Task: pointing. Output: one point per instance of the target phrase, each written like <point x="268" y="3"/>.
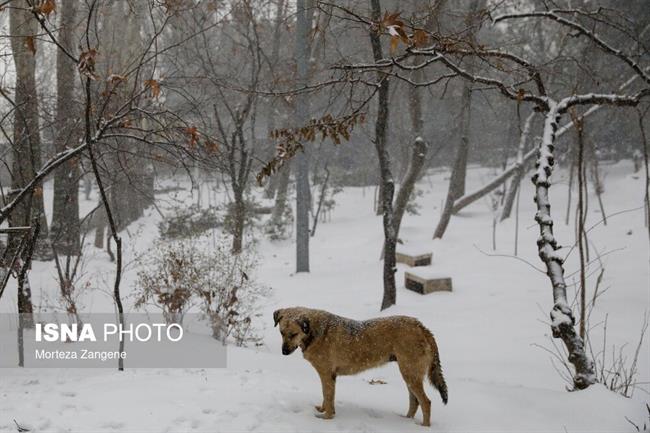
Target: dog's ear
<point x="304" y="325"/>
<point x="277" y="315"/>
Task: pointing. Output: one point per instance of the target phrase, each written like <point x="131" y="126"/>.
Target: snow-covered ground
<point x="489" y="329"/>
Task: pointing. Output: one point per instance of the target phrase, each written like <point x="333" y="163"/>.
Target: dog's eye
<point x="292" y="336"/>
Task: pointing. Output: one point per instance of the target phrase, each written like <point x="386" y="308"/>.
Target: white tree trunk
<point x="562" y="320"/>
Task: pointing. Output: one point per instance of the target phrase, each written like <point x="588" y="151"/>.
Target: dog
<point x="338" y="346"/>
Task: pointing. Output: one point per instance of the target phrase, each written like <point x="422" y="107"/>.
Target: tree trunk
<point x="460" y="165"/>
<point x="277" y="215"/>
<point x="459" y="171"/>
<point x="418" y="156"/>
<point x="572" y="164"/>
<point x="26" y="138"/>
<point x="562" y="319"/>
<point x="379" y="204"/>
<point x="275" y="183"/>
<point x="387" y="182"/>
<point x="580" y="222"/>
<point x="282" y="191"/>
<point x="24" y="292"/>
<point x="599" y="187"/>
<point x="321" y="200"/>
<point x="272" y="186"/>
<point x="646" y="160"/>
<point x="303" y="26"/>
<point x="519" y="171"/>
<point x="120" y="42"/>
<point x="239" y="218"/>
<point x="65" y="231"/>
<point x="99" y="230"/>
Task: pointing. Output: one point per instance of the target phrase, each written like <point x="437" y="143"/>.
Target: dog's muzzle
<point x="286" y="350"/>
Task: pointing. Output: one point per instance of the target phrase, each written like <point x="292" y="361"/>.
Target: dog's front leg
<point x="328" y="381"/>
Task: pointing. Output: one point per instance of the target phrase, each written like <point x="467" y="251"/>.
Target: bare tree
<point x="520" y="169"/>
<point x="26" y="143"/>
<point x="386" y="176"/>
<point x="303" y="196"/>
<point x="65" y="230"/>
<point x="459" y="170"/>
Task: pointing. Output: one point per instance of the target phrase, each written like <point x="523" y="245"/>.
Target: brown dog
<point x="337" y="346"/>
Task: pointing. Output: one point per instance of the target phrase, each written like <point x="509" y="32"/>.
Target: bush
<point x="251" y="217"/>
<point x="188" y="222"/>
<point x="183" y="273"/>
<point x="280" y="228"/>
<point x="170" y="279"/>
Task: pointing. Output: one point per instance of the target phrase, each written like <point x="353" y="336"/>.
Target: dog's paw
<point x="425" y="424"/>
<point x="319" y="409"/>
<point x="325" y="415"/>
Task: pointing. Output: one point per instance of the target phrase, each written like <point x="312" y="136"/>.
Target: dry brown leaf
<point x="394" y="41"/>
<point x="154" y="86"/>
<point x="420" y="38"/>
<point x="86" y="64"/>
<point x="211" y="146"/>
<point x="30" y="44"/>
<point x="212" y="6"/>
<point x="46" y="7"/>
<point x="115" y="78"/>
<point x="194" y="135"/>
<point x="520" y="95"/>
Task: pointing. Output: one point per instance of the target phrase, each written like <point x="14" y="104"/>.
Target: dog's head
<point x="294" y="327"/>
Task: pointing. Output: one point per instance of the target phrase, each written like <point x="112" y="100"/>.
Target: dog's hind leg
<point x="413" y="405"/>
<point x="414" y="382"/>
<point x="418" y="389"/>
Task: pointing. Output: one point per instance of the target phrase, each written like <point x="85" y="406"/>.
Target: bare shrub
<point x="169" y="278"/>
<point x="230" y="294"/>
<point x="618" y="371"/>
<point x="189" y="272"/>
<point x="646" y="424"/>
<point x="615" y="367"/>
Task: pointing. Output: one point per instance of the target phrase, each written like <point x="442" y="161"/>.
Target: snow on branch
<point x="553" y="14"/>
<point x="487" y="53"/>
<point x="53" y="163"/>
<point x="604" y="99"/>
<point x="562" y="319"/>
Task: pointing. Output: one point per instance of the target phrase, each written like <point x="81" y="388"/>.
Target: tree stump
<point x="425" y="280"/>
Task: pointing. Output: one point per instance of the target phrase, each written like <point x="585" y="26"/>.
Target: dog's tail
<point x="435" y="370"/>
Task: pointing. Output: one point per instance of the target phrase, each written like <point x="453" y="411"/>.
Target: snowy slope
<point x="487" y="329"/>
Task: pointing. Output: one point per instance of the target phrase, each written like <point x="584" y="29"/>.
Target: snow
<point x="415" y="248"/>
<point x="487" y="330"/>
<point x="427" y="272"/>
